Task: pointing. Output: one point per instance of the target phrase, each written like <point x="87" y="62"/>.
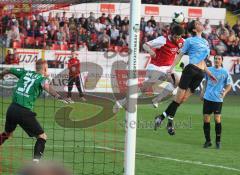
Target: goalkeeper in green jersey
<point x="29" y="86"/>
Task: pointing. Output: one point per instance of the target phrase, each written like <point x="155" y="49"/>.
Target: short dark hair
<point x="218" y="56"/>
<point x="177" y="30"/>
<point x="191" y="27"/>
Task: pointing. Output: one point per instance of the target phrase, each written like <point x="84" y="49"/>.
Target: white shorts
<point x="155" y="73"/>
<point x="162" y="69"/>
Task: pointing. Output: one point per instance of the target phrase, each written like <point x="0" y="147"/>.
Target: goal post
<point x="131" y="112"/>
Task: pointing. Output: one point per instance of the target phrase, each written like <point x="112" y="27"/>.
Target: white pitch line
<point x="144" y="155"/>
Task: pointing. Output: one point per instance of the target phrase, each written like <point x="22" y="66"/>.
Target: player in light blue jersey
<point x="213" y="95"/>
<point x="198" y="49"/>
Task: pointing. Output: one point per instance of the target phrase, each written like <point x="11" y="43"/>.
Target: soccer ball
<point x="178" y="17"/>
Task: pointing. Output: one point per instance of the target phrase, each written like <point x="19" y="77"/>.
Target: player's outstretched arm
<point x="48" y="88"/>
<point x="4" y="72"/>
<point x="148" y="49"/>
<point x="176" y="61"/>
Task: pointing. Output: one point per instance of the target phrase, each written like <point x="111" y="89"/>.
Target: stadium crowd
<point x="59" y="32"/>
<point x="231" y="4"/>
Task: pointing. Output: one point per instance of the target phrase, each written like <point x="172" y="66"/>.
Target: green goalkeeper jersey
<point x="28" y="88"/>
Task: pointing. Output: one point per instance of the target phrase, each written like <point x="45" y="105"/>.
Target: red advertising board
<point x="193" y="12"/>
<point x="151" y="10"/>
<point x="107" y="8"/>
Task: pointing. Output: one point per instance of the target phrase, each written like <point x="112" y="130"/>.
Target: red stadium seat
<point x="17" y="44"/>
<point x="22" y="38"/>
<point x="55" y="47"/>
<point x="64" y="47"/>
<point x="30" y="40"/>
<point x="118" y="48"/>
<point x="39" y="39"/>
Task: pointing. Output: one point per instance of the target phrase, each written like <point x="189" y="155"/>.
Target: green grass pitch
<point x="99" y="149"/>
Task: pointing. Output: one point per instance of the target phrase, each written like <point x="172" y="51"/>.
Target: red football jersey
<point x="166" y="50"/>
<point x="74" y="67"/>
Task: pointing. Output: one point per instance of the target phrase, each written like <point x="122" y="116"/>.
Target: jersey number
<point x="28" y="82"/>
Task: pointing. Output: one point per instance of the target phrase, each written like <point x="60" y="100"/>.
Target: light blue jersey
<point x="214" y="90"/>
<point x="197" y="49"/>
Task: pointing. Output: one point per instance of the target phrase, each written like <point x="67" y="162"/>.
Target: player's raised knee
<point x="43" y="136"/>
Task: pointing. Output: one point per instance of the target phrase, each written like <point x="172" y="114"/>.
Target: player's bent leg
<point x="166" y="92"/>
<point x="180" y="95"/>
<point x="39" y="147"/>
<point x="206" y="129"/>
<point x="218" y="130"/>
<point x="187" y="94"/>
<point x="172" y="109"/>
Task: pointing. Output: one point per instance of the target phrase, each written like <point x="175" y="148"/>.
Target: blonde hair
<point x="39" y="64"/>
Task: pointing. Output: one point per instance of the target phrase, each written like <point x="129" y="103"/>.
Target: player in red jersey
<point x="74" y="76"/>
<point x="163" y="51"/>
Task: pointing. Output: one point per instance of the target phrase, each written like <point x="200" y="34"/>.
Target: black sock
<point x="218" y="130"/>
<point x="163" y="115"/>
<point x="206" y="128"/>
<point x="39" y="148"/>
<point x="172" y="109"/>
<point x="170" y="122"/>
<point x="3" y="137"/>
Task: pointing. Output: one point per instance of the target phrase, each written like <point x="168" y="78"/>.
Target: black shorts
<point x="191" y="78"/>
<point x="18" y="115"/>
<point x="210" y="107"/>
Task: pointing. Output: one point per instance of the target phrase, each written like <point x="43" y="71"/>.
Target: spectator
<point x="80" y="31"/>
<point x="122" y="40"/>
<point x="103" y="19"/>
<point x="99" y="26"/>
<point x="213" y="38"/>
<point x="236" y="67"/>
<point x="8" y="57"/>
<point x="222" y="30"/>
<point x="142" y="24"/>
<point x="15" y="58"/>
<point x="82" y="37"/>
<point x="153" y="22"/>
<point x="51" y="37"/>
<point x="114" y="34"/>
<point x="83" y="22"/>
<point x="117" y="20"/>
<point x="104" y="41"/>
<point x="92" y="17"/>
<point x="42" y="29"/>
<point x="109" y="19"/>
<point x="149" y="29"/>
<point x="91" y="43"/>
<point x="63" y="20"/>
<point x="207" y="27"/>
<point x="12" y="35"/>
<point x="236" y="26"/>
<point x="91" y="27"/>
<point x="125" y="22"/>
<point x="61" y="36"/>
